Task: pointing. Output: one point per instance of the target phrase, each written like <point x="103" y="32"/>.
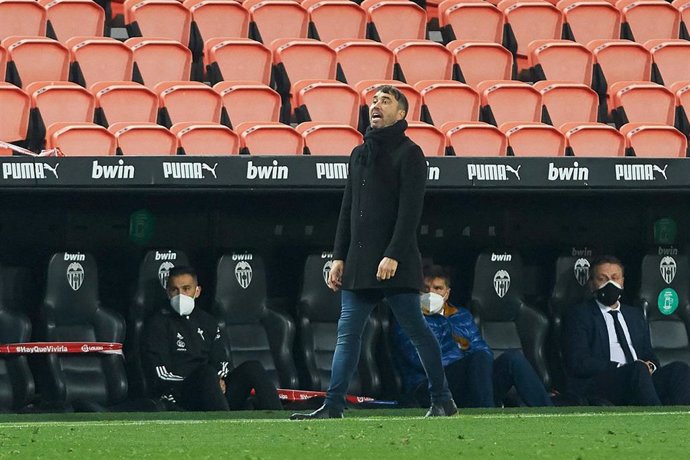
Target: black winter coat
<point x="381" y="209"/>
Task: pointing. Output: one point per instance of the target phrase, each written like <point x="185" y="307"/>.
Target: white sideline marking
<point x="105" y="423"/>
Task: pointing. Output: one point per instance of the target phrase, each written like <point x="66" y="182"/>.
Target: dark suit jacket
<point x="379" y="216"/>
<point x="586" y="343"/>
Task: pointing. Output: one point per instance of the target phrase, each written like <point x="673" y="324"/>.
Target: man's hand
<point x="651" y="367"/>
<point x="335" y="276"/>
<point x="387" y="268"/>
<point x="221" y="382"/>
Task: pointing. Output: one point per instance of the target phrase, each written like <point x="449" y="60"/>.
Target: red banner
<point x="30" y="348"/>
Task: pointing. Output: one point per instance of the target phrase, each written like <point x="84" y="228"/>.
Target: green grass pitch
<point x="559" y="433"/>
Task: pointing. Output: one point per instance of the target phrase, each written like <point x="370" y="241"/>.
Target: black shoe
<point x="442" y="409"/>
<point x="322" y="412"/>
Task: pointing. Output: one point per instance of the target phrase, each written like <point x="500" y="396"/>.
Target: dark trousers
<point x="512" y="369"/>
<point x="632" y="385"/>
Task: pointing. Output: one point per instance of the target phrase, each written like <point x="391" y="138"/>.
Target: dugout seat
<point x="187" y="101"/>
<point x="22" y="18"/>
<point x="475" y="139"/>
<point x="71" y="311"/>
<point x="665" y="297"/>
<point x="72" y="18"/>
<point x="479" y="61"/>
<point x="253" y="331"/>
<point x="14" y="116"/>
<point x="417" y="60"/>
<point x="649" y="19"/>
<point x="470" y="20"/>
<point x="565" y="102"/>
<point x="237" y="59"/>
<point x="33" y="59"/>
<point x="326" y="101"/>
<point x="670" y="61"/>
<point x="149" y="298"/>
<point x="96" y="59"/>
<point x="157" y="60"/>
<point x="446" y="101"/>
<point x="269" y="138"/>
<point x="651" y="140"/>
<point x="590" y="20"/>
<point x="158" y="19"/>
<point x="533" y="139"/>
<point x="429" y="138"/>
<point x="124" y="101"/>
<point x="335" y="19"/>
<point x="362" y="60"/>
<point x="195" y="138"/>
<point x="560" y="60"/>
<point x="81" y="139"/>
<point x="509" y="101"/>
<point x="642" y="102"/>
<point x="503" y="317"/>
<point x="318" y="311"/>
<point x="329" y="138"/>
<point x="389" y="20"/>
<point x="593" y="140"/>
<point x="271" y="20"/>
<point x="143" y="139"/>
<point x="247" y="101"/>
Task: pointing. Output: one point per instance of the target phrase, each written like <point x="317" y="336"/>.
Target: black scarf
<point x="380" y="139"/>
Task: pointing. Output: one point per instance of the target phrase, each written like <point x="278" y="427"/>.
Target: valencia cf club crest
<point x="581" y="270"/>
<point x="501" y="283"/>
<point x="243" y="273"/>
<point x="75" y="275"/>
<point x="327" y="270"/>
<point x="668" y="269"/>
<point x="164" y="273"/>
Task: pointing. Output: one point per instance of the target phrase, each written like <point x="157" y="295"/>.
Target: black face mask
<point x="608" y="294"/>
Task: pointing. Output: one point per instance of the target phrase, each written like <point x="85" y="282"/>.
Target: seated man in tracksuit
<point x="474" y="377"/>
<point x="186" y="360"/>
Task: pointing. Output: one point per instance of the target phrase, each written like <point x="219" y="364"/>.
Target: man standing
<point x="376" y="254"/>
<point x="608" y="351"/>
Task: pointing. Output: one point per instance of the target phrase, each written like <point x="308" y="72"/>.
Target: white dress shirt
<point x="617" y="354"/>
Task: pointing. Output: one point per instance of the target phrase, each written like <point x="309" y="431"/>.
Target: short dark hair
<point x="397" y="95"/>
<point x="605" y="259"/>
<point x="183" y="270"/>
<point x="437" y="271"/>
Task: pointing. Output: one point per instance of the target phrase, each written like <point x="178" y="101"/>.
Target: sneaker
<point x="442" y="409"/>
<point x="322" y="412"/>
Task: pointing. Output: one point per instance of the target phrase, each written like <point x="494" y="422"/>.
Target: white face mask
<point x="182" y="304"/>
<point x="432" y="303"/>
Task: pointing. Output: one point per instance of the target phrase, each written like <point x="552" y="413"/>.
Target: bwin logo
<point x="75" y="275"/>
<point x="581" y="271"/>
<point x="331" y="171"/>
<point x="187" y="170"/>
<point x="326" y="271"/>
<point x="23" y="171"/>
<point x="668" y="251"/>
<point x="668" y="268"/>
<point x="243" y="273"/>
<point x="74" y="257"/>
<point x="501" y="283"/>
<point x="118" y="171"/>
<point x="166" y="255"/>
<point x="266" y="172"/>
<point x="491" y="172"/>
<point x="501" y="257"/>
<point x="574" y="173"/>
<point x="164" y="273"/>
<point x="433" y="172"/>
<point x="326" y="255"/>
<point x="639" y="172"/>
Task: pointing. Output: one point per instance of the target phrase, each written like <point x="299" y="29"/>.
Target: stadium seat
<point x="143" y="139"/>
<point x="14" y="116"/>
<point x="670" y="60"/>
<point x="593" y="140"/>
<point x="17" y="387"/>
<point x="479" y="61"/>
<point x="470" y="20"/>
<point x="431" y="140"/>
<point x="528" y="21"/>
<point x="590" y="20"/>
<point x="534" y="139"/>
<point x="362" y="60"/>
<point x="158" y="19"/>
<point x="217" y="19"/>
<point x="642" y="102"/>
<point x="682" y="6"/>
<point x="649" y="19"/>
<point x="504" y="319"/>
<point x="681" y="90"/>
<point x="654" y="140"/>
<point x="329" y="138"/>
<point x="81" y="139"/>
<point x="72" y="18"/>
<point x="149" y="297"/>
<point x="269" y="138"/>
<point x="33" y="59"/>
<point x="417" y="60"/>
<point x="445" y="101"/>
<point x="196" y="138"/>
<point x="3" y="63"/>
<point x="339" y="19"/>
<point x="247" y="101"/>
<point x="237" y="60"/>
<point x="124" y="101"/>
<point x="326" y="101"/>
<point x="560" y="60"/>
<point x="668" y="315"/>
<point x="158" y="60"/>
<point x="318" y="310"/>
<point x="187" y="101"/>
<point x="297" y="60"/>
<point x="275" y="19"/>
<point x="509" y="101"/>
<point x="24" y="18"/>
<point x="565" y="102"/>
<point x="475" y="139"/>
<point x="394" y="19"/>
<point x="253" y="331"/>
<point x="71" y="311"/>
<point x="96" y="59"/>
<point x="368" y="88"/>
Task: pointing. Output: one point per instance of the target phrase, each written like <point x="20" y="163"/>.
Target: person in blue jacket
<point x="474" y="377"/>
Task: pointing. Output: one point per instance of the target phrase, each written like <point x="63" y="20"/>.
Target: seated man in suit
<point x="186" y="359"/>
<point x="608" y="352"/>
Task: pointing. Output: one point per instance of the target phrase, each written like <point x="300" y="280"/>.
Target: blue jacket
<point x="457" y="335"/>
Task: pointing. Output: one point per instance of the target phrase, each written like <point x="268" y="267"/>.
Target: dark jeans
<point x="356" y="308"/>
<point x="512" y="369"/>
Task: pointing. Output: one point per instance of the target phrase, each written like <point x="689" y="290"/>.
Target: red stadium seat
<point x="81" y="139"/>
<point x="560" y="60"/>
<point x="158" y="60"/>
<point x="479" y="61"/>
<point x="429" y="138"/>
<point x="683" y="6"/>
<point x="14" y="116"/>
<point x="96" y="59"/>
<point x="36" y="59"/>
<point x="534" y="139"/>
<point x="642" y="102"/>
<point x="218" y="19"/>
<point x="22" y="18"/>
<point x="72" y="18"/>
<point x="506" y="101"/>
<point x="329" y="138"/>
<point x="363" y="60"/>
<point x="395" y="19"/>
<point x="206" y="138"/>
<point x="277" y="19"/>
<point x="654" y="140"/>
<point x="589" y="20"/>
<point x="339" y="19"/>
<point x="418" y="60"/>
<point x="446" y="101"/>
<point x="237" y="60"/>
<point x="326" y="101"/>
<point x="671" y="60"/>
<point x="681" y="91"/>
<point x="649" y="19"/>
<point x="471" y="20"/>
<point x="593" y="140"/>
<point x="124" y="101"/>
<point x="158" y="19"/>
<point x="144" y="139"/>
<point x="368" y="88"/>
<point x="248" y="101"/>
<point x="269" y="139"/>
<point x="566" y="102"/>
<point x="188" y="101"/>
<point x="3" y="63"/>
<point x="475" y="139"/>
